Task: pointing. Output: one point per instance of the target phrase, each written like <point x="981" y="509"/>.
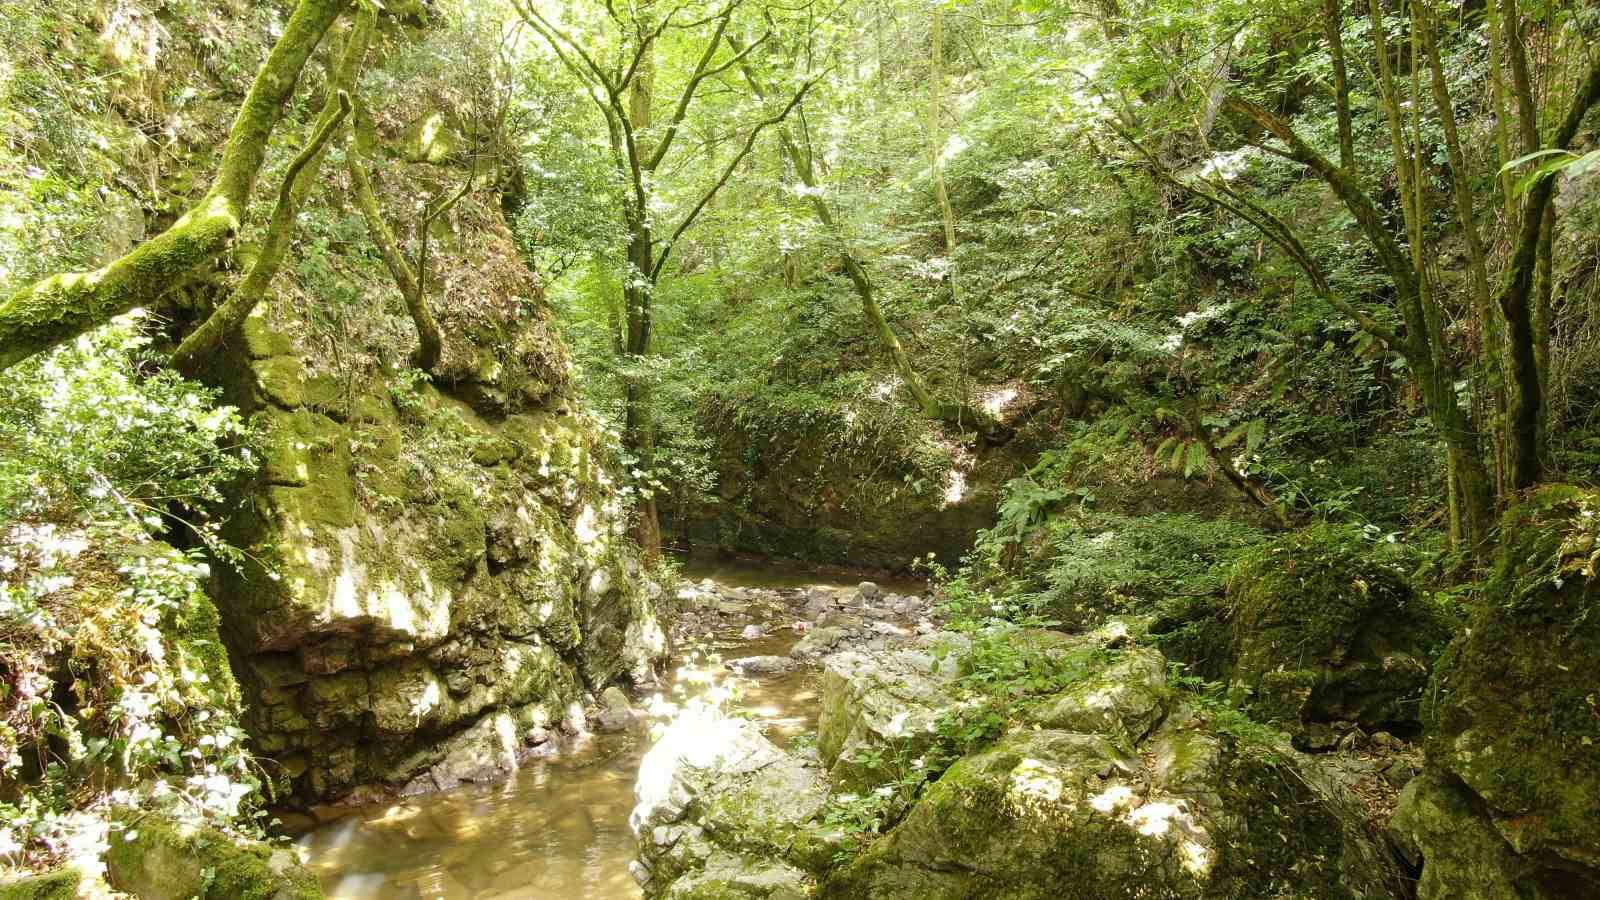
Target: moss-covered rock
<point x="424" y="555"/>
<point x="154" y="859"/>
<point x="1513" y="718"/>
<point x="62" y="885"/>
<point x="1101" y="791"/>
<point x="1072" y="816"/>
<point x="1327" y="628"/>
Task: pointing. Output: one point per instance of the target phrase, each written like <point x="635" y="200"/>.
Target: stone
<point x="761" y="665"/>
<point x="869" y="591"/>
<point x="1326" y="628"/>
<point x="880" y="705"/>
<point x="154" y="859"/>
<point x="613" y="698"/>
<point x="1509" y="803"/>
<point x="1124" y="700"/>
<point x="817" y="643"/>
<point x="752" y="632"/>
<point x="719" y="804"/>
<point x="1058" y="815"/>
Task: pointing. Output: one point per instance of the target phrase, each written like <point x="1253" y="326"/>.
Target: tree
<point x="624" y="90"/>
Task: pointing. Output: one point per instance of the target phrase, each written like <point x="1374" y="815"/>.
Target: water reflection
<point x="557" y="829"/>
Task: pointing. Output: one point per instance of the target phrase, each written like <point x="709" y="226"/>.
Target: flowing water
<point x="558" y="828"/>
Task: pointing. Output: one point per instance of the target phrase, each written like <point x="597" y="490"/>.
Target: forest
<point x="708" y="449"/>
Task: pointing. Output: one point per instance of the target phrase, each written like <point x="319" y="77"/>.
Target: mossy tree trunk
<point x="59" y="308"/>
<point x="207" y="340"/>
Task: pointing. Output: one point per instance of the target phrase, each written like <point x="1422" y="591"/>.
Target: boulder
<point x="1061" y="815"/>
<point x="721" y="808"/>
<point x="877" y="705"/>
<point x="817" y="643"/>
<point x="1509" y="805"/>
<point x="154" y="859"/>
<point x="1124" y="700"/>
<point x="761" y="665"/>
<point x="1326" y="628"/>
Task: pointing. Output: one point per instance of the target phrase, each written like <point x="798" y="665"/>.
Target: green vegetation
<point x="393" y="343"/>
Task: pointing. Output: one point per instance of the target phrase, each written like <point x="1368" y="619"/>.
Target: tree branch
<point x="61" y="307"/>
<point x="749" y="143"/>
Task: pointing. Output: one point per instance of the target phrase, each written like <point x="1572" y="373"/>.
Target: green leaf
<point x="1527" y="157"/>
<point x="1257" y="434"/>
<point x="1197" y="459"/>
<point x="1232" y="437"/>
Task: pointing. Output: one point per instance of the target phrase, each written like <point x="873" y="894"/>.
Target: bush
<point x="117" y="690"/>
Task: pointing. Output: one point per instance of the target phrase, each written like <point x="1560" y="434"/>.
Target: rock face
<point x="1327" y="630"/>
<point x="436" y="568"/>
<point x="1106" y="790"/>
<point x="1509" y="806"/>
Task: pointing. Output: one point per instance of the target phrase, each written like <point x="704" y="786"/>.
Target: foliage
<point x="118" y="692"/>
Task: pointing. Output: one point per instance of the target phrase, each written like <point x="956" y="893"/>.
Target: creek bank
<point x="1113" y="787"/>
<point x="560" y="820"/>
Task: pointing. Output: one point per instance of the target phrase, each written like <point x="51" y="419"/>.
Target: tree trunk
<point x="207" y="340"/>
<point x="61" y="307"/>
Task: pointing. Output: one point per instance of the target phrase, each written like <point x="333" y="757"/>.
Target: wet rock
<point x="761" y="665"/>
<point x="752" y="632"/>
<point x="616" y="713"/>
<point x="154" y="859"/>
<point x="817" y="643"/>
<point x="868" y="591"/>
<point x="722" y="808"/>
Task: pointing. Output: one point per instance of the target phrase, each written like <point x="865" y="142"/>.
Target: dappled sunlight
<point x="1113" y="798"/>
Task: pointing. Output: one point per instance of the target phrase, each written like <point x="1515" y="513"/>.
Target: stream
<point x="558" y="828"/>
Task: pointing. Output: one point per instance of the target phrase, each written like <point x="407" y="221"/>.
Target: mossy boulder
<point x="1513" y="717"/>
<point x="1327" y="628"/>
<point x="722" y="812"/>
<point x="61" y="885"/>
<point x="1074" y="816"/>
<point x="154" y="859"/>
<point x="1105" y="790"/>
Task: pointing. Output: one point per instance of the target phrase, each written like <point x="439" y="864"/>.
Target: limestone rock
<point x="1058" y="815"/>
<point x="873" y="702"/>
<point x="761" y="665"/>
<point x="720" y="804"/>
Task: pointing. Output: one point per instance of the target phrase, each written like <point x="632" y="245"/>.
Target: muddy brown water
<point x="558" y="828"/>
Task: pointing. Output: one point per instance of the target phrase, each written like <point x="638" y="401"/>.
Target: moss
<point x="1512" y="709"/>
<point x="1327" y="627"/>
<point x="196" y="634"/>
<point x="156" y="860"/>
<point x="61" y="885"/>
